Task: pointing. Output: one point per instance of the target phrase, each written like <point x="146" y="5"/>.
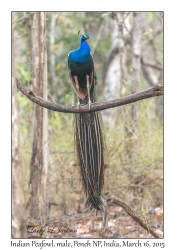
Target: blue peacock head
<point x="85" y="36"/>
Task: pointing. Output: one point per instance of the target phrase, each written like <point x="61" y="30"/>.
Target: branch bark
<point x="157" y="90"/>
<point x="136" y="217"/>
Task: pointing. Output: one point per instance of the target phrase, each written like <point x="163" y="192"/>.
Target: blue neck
<point x="84" y="45"/>
<point x="82" y="54"/>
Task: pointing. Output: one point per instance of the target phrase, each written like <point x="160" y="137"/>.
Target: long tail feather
<point x="89" y="145"/>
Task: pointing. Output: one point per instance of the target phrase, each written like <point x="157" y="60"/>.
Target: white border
<point x="5" y="96"/>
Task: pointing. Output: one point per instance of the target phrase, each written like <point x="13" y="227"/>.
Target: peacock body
<point x="88" y="135"/>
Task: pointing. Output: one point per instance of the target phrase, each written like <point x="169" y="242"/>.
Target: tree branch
<point x="151" y="64"/>
<point x="136" y="217"/>
<point x="23" y="17"/>
<point x="157" y="90"/>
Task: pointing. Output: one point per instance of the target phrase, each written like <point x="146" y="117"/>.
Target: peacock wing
<point x="81" y="92"/>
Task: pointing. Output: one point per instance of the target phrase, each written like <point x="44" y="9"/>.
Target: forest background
<point x="133" y="133"/>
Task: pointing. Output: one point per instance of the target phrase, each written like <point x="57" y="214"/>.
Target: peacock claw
<point x="78" y="106"/>
<point x="74" y="106"/>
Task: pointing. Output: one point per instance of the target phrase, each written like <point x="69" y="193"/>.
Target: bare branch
<point x="23" y="17"/>
<point x="136" y="217"/>
<point x="157" y="90"/>
<point x="151" y="64"/>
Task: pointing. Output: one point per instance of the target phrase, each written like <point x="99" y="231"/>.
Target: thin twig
<point x="21" y="36"/>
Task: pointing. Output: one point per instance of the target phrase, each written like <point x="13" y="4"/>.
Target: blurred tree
<point x="136" y="53"/>
<point x="114" y="68"/>
<point x="18" y="200"/>
<point x="151" y="54"/>
<point x="52" y="56"/>
<point x="39" y="165"/>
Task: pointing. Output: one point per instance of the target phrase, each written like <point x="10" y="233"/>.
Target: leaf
<point x="158" y="231"/>
<point x="132" y="235"/>
<point x="85" y="228"/>
<point x="159" y="210"/>
<point x="84" y="222"/>
<point x="158" y="217"/>
<point x="55" y="231"/>
<point x="82" y="230"/>
<point x="69" y="171"/>
<point x="122" y="230"/>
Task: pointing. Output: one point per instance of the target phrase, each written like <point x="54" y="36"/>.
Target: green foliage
<point x="126" y="176"/>
<point x="103" y="46"/>
<point x="24" y="73"/>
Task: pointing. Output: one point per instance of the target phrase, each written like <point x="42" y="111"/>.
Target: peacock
<point x="88" y="133"/>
